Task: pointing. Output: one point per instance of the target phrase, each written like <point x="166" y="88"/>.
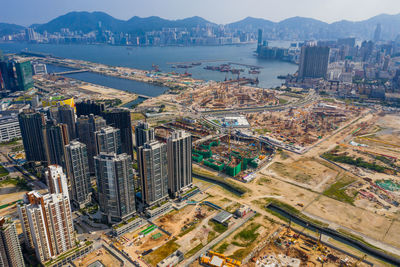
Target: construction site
<point x="371" y="153"/>
<point x="198" y="129"/>
<point x="290" y="248"/>
<point x="302" y="126"/>
<point x="215" y="96"/>
<point x="232" y="154"/>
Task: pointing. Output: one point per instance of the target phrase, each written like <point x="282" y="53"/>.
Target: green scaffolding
<point x="197" y="157"/>
<point x="216" y="165"/>
<point x="233" y="171"/>
<point x="388" y="185"/>
<point x="205" y="153"/>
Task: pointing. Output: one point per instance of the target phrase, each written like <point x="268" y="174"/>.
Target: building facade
<point x="23" y="71"/>
<point x="121" y="118"/>
<point x="47" y="224"/>
<point x="55" y="138"/>
<point x="10" y="249"/>
<point x="179" y="147"/>
<point x="78" y="173"/>
<point x="143" y="134"/>
<point x="66" y="116"/>
<point x="9" y="129"/>
<point x="86" y="128"/>
<point x="152" y="161"/>
<point x="56" y="180"/>
<point x="108" y="140"/>
<point x="85" y="108"/>
<point x="31" y="124"/>
<point x="115" y="186"/>
<point x="313" y="62"/>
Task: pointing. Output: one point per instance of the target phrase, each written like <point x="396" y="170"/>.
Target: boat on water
<point x="186" y="74"/>
<point x="254" y="72"/>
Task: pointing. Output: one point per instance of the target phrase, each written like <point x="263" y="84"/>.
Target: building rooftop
<point x="96" y="264"/>
<point x="216" y="261"/>
<point x="222" y="217"/>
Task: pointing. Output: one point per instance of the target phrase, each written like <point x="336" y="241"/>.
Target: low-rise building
<point x="9" y="128"/>
<point x="158" y="210"/>
<point x="128" y="226"/>
<point x="172" y="260"/>
<point x="242" y="211"/>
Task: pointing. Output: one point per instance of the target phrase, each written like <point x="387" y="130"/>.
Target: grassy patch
<point x="262" y="131"/>
<point x="232" y="208"/>
<point x="248" y="235"/>
<point x="329" y="100"/>
<point x="222" y="248"/>
<point x="288" y="208"/>
<point x="194" y="250"/>
<point x="3" y="171"/>
<point x="137" y="116"/>
<point x="282" y="101"/>
<point x="263" y="181"/>
<point x="162" y="252"/>
<point x="211" y="236"/>
<point x="359" y="162"/>
<point x="240" y="254"/>
<point x="10" y="143"/>
<point x="212" y="176"/>
<point x="217" y="227"/>
<point x="18" y="182"/>
<point x="337" y="191"/>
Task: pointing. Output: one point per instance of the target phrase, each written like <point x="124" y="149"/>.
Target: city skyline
<point x="320" y="10"/>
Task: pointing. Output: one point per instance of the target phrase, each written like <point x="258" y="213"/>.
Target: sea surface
<point x="145" y="57"/>
<point x="140" y="88"/>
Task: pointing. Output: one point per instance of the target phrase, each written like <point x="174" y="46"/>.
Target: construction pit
<point x="289" y="248"/>
<point x="371" y="153"/>
<point x="227" y="95"/>
<point x="190" y="228"/>
<point x="235" y="156"/>
<point x="303" y="126"/>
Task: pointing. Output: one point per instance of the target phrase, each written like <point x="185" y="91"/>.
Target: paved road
<point x="30" y="177"/>
<point x="119" y="254"/>
<point x="242" y="221"/>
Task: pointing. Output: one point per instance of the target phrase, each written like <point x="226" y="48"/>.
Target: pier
<point x="71" y="72"/>
<point x="245" y="65"/>
<point x="200" y="61"/>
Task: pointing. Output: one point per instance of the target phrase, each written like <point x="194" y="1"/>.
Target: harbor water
<point x="165" y="57"/>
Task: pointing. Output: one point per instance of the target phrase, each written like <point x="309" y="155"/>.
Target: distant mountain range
<point x="296" y="28"/>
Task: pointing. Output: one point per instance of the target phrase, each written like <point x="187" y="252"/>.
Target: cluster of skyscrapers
<point x="101" y="146"/>
<point x="165" y="169"/>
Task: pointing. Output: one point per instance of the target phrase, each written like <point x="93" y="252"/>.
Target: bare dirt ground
<point x="358" y="219"/>
<point x="108" y="93"/>
<point x="102" y="255"/>
<point x="308" y="172"/>
<point x="288" y="190"/>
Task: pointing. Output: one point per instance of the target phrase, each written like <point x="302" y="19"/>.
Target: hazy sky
<point x="26" y="12"/>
